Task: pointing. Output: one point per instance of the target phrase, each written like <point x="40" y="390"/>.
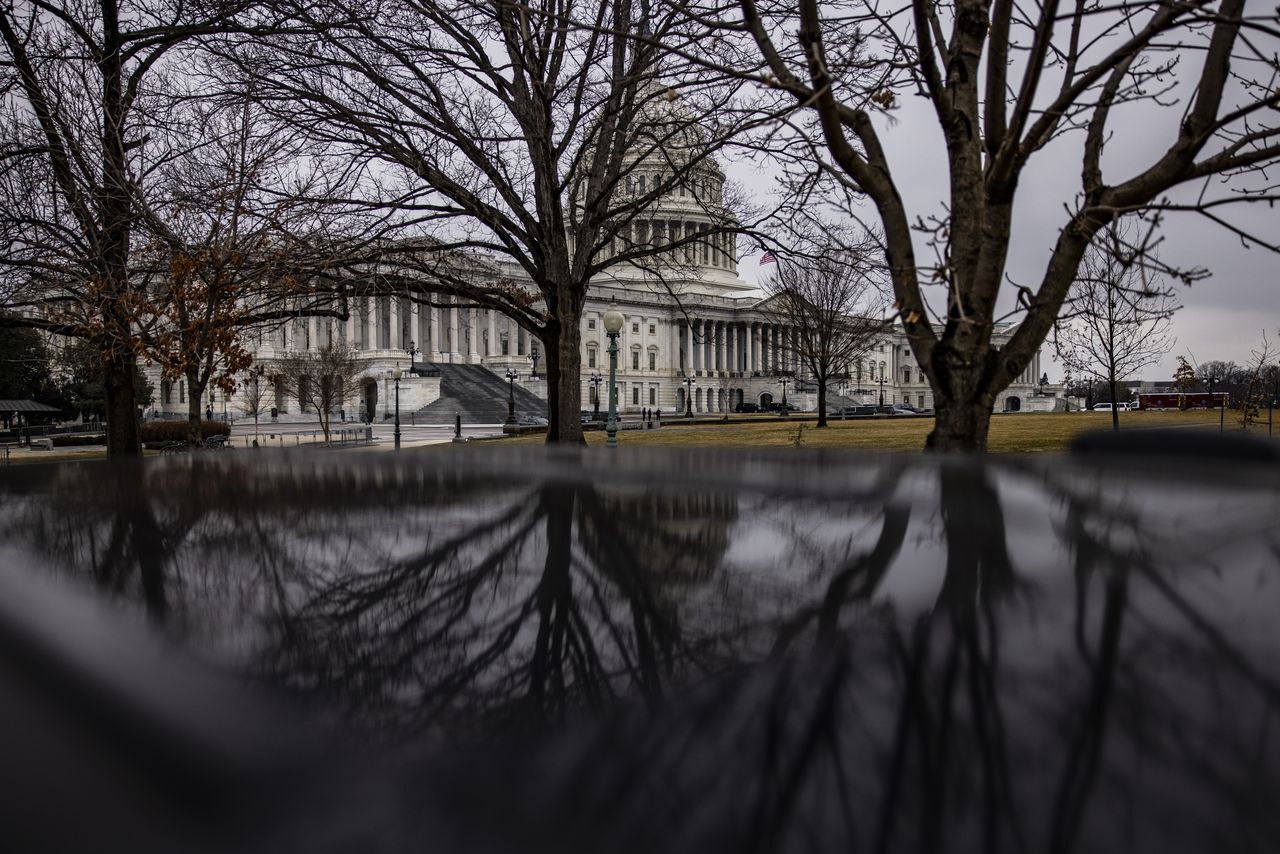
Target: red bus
<point x="1175" y="400"/>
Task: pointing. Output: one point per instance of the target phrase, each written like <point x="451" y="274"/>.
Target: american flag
<point x="767" y="258"/>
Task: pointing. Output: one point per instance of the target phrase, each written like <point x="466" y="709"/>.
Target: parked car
<point x="858" y="409"/>
<point x="783" y="407"/>
<point x="532" y="421"/>
<point x="902" y="409"/>
<point x="747" y="407"/>
<point x="1102" y="407"/>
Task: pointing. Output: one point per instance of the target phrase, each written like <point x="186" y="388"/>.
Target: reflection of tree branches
<point x="463" y="631"/>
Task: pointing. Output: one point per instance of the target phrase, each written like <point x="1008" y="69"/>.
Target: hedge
<point x="176" y="431"/>
<point x="76" y="441"/>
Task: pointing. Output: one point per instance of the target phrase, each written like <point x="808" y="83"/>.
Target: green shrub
<point x="176" y="431"/>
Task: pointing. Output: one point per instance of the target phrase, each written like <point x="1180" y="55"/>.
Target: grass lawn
<point x="1018" y="433"/>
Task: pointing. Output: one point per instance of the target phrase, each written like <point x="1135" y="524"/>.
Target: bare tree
<point x="81" y="130"/>
<point x="1117" y="319"/>
<point x="828" y="290"/>
<point x="322" y="380"/>
<point x="526" y="134"/>
<point x="256" y="395"/>
<point x="1002" y="83"/>
<point x="247" y="233"/>
<point x="1258" y="378"/>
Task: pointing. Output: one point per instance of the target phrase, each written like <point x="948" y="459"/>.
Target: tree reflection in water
<point x="1086" y="668"/>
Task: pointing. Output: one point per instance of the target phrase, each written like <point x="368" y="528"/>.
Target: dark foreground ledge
<point x="574" y="650"/>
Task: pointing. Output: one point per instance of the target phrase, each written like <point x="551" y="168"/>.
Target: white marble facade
<point x="703" y="332"/>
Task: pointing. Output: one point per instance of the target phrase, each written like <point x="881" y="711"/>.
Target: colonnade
<point x="448" y="333"/>
<point x="737" y="346"/>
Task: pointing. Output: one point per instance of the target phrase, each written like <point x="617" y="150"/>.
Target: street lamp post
<point x="595" y="381"/>
<point x="882" y="388"/>
<point x="511" y="396"/>
<point x="412" y="350"/>
<point x="395" y="376"/>
<point x="613" y="321"/>
<point x="785" y="382"/>
<point x="533" y="357"/>
<point x="689" y="383"/>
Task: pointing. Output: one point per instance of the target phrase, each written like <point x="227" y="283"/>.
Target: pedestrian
<point x="659" y="416"/>
<point x="208" y="413"/>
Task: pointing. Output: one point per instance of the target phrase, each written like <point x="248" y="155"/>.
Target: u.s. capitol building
<point x="700" y="331"/>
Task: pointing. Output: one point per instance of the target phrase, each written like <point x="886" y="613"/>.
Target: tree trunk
<point x="1115" y="413"/>
<point x="562" y="345"/>
<point x="960" y="425"/>
<point x="822" y="401"/>
<point x="124" y="437"/>
<point x="195" y="393"/>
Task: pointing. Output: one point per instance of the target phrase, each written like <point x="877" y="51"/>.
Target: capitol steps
<point x="478" y="394"/>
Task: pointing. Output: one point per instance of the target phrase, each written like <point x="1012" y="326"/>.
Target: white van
<point x="1102" y="407"/>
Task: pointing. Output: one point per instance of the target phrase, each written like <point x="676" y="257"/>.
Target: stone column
<point x="454" y="341"/>
<point x="695" y="360"/>
<point x="721" y="364"/>
<point x="370" y="323"/>
<point x="433" y="320"/>
<point x="349" y="328"/>
<point x="493" y="333"/>
<point x="415" y="326"/>
<point x="473" y="320"/>
<point x="394" y="330"/>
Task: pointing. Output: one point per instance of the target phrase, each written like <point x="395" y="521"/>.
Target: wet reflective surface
<point x="693" y="652"/>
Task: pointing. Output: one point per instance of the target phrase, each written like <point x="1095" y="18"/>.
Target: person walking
<point x="208" y="413"/>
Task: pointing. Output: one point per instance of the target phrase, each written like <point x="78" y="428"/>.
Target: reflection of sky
<point x="240" y="578"/>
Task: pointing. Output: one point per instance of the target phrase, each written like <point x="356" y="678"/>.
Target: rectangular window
<point x="653" y="362"/>
<point x="635" y="395"/>
<point x="920" y="401"/>
<point x="640" y="182"/>
<point x="635" y="360"/>
<point x="635" y="329"/>
<point x="182" y="391"/>
<point x="591" y="358"/>
<point x="653" y="329"/>
<point x="653" y="395"/>
<point x="591" y="323"/>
